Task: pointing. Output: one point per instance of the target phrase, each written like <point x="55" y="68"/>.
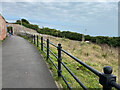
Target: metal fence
<point x="106" y="79"/>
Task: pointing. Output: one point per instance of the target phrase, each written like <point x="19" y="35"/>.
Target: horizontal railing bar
<point x="53" y="45"/>
<point x="114" y="84"/>
<point x="74" y="76"/>
<point x="53" y="63"/>
<point x="44" y="52"/>
<point x="65" y="81"/>
<point x="44" y="46"/>
<point x="85" y="65"/>
<point x="53" y="54"/>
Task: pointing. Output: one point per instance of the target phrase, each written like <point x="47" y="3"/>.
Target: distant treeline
<point x="27" y="24"/>
<point x="111" y="41"/>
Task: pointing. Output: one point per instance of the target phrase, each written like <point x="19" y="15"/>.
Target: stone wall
<point x="2" y="28"/>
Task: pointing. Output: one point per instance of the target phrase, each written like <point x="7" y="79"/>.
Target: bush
<point x="111" y="41"/>
<point x="27" y="24"/>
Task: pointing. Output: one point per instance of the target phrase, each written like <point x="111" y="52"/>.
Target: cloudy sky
<point x="91" y="18"/>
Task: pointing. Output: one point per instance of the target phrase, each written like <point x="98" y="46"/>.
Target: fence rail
<point x="106" y="79"/>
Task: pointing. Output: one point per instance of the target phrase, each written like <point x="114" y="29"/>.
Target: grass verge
<point x="91" y="54"/>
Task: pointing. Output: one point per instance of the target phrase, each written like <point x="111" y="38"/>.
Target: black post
<point x="42" y="43"/>
<point x="106" y="78"/>
<point x="47" y="49"/>
<point x="59" y="60"/>
<point x="34" y="39"/>
<point x="37" y="42"/>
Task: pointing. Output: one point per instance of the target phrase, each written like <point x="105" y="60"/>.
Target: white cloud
<point x="64" y="11"/>
<point x="62" y="14"/>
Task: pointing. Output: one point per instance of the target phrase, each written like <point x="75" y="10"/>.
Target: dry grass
<point x="94" y="55"/>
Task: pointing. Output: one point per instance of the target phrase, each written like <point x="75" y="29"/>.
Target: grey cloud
<point x="58" y="11"/>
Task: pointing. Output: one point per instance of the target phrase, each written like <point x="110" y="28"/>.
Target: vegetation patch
<point x="111" y="41"/>
<point x="90" y="54"/>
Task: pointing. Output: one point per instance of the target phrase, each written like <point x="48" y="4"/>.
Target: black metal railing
<point x="106" y="79"/>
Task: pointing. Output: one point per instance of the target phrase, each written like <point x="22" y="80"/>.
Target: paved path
<point x="23" y="66"/>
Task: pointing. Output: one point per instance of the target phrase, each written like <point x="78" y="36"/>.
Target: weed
<point x="87" y="54"/>
<point x="104" y="55"/>
<point x="98" y="56"/>
<point x="65" y="63"/>
<point x="94" y="47"/>
<point x="50" y="68"/>
<point x="74" y="48"/>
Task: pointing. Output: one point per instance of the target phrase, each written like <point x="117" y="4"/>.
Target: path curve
<point x="23" y="66"/>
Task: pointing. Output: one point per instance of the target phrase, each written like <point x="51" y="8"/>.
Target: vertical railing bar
<point x="42" y="43"/>
<point x="37" y="42"/>
<point x="59" y="60"/>
<point x="47" y="49"/>
<point x="34" y="39"/>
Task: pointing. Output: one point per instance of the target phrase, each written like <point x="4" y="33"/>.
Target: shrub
<point x="27" y="24"/>
<point x="104" y="55"/>
<point x="111" y="41"/>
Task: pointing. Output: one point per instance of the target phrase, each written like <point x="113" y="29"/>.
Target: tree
<point x="18" y="22"/>
<point x="25" y="21"/>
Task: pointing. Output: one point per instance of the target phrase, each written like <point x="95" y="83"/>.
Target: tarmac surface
<point x="23" y="66"/>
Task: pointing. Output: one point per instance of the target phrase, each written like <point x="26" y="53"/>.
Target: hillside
<point x="111" y="41"/>
<point x="21" y="29"/>
<point x="96" y="56"/>
<point x="92" y="54"/>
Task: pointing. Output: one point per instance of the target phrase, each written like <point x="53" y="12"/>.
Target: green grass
<point x="88" y="53"/>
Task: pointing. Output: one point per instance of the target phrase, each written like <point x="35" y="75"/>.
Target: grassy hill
<point x="111" y="41"/>
<point x="95" y="55"/>
<point x="92" y="54"/>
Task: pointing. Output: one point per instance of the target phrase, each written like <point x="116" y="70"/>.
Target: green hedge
<point x="27" y="24"/>
<point x="111" y="41"/>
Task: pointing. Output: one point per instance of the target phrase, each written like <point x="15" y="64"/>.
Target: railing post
<point x="59" y="60"/>
<point x="37" y="42"/>
<point x="42" y="43"/>
<point x="34" y="39"/>
<point x="47" y="49"/>
<point x="106" y="78"/>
